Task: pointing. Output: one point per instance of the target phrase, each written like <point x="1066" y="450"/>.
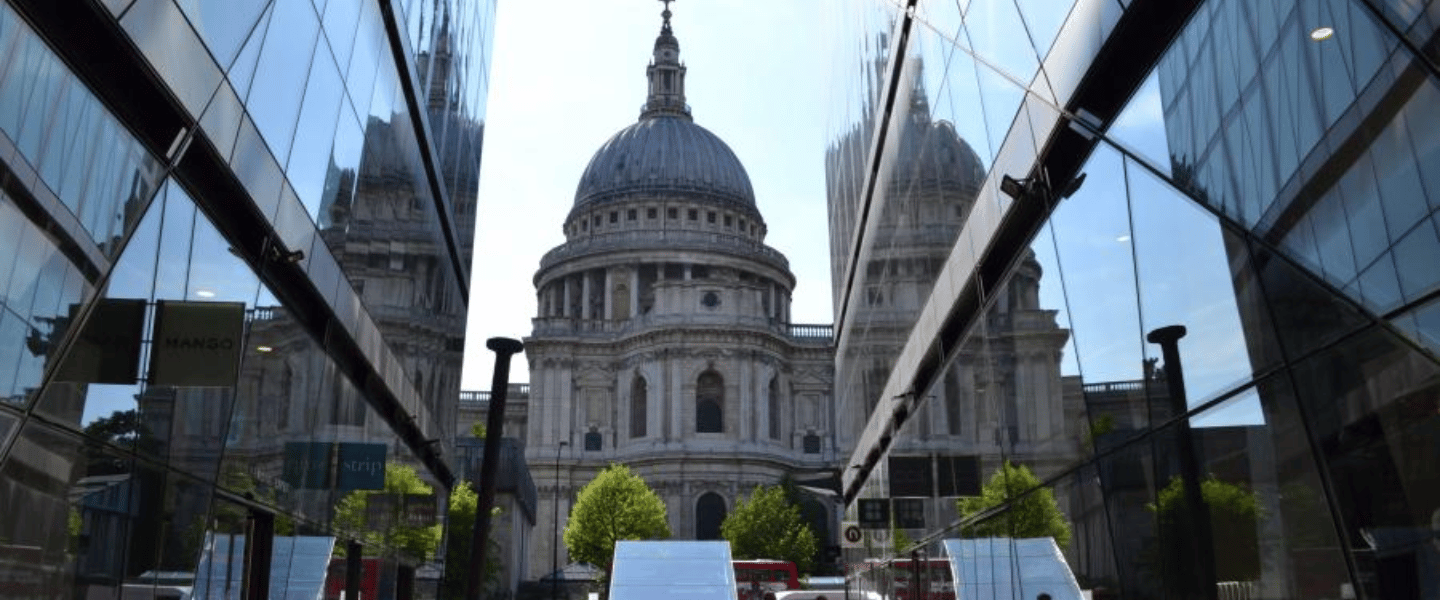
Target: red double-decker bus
<point x="898" y="578"/>
<point x="754" y="578"/>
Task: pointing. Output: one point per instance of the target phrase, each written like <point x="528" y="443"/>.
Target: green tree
<point x="1034" y="515"/>
<point x="1234" y="513"/>
<point x="477" y="429"/>
<point x="351" y="517"/>
<point x="463" y="504"/>
<point x="616" y="505"/>
<point x="767" y="524"/>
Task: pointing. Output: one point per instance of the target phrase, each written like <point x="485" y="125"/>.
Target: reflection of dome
<point x="939" y="154"/>
<point x="665" y="154"/>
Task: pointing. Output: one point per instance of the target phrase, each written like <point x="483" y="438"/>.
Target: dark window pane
<point x="1372" y="408"/>
<point x="958" y="476"/>
<point x="709" y="514"/>
<point x="1305" y="315"/>
<point x="911" y="476"/>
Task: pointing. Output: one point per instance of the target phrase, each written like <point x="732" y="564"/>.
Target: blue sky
<point x="568" y="74"/>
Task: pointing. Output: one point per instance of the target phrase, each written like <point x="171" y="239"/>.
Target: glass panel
<point x="1093" y="240"/>
<point x="224" y="25"/>
<point x="134" y="269"/>
<point x="161" y="32"/>
<point x="221" y="120"/>
<point x="1426" y="137"/>
<point x="1305" y="315"/>
<point x="242" y="71"/>
<point x="369" y="42"/>
<point x="215" y="274"/>
<point x="1423" y="325"/>
<point x="311" y="157"/>
<point x="340" y="23"/>
<point x="1371" y="406"/>
<point x="1042" y="22"/>
<point x="55" y="544"/>
<point x="1195" y="273"/>
<point x="174" y="254"/>
<point x="1140" y="127"/>
<point x="274" y="98"/>
<point x="992" y="30"/>
<point x="256" y="167"/>
<point x="1416" y="257"/>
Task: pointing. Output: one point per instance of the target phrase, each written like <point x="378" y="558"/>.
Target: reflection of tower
<point x="381" y="227"/>
<point x="1003" y="395"/>
<point x="924" y="201"/>
<point x="662" y="337"/>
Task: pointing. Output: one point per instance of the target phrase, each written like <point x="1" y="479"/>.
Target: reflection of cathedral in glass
<point x="238" y="241"/>
<point x="1004" y="395"/>
<point x="1216" y="358"/>
<point x="662" y="338"/>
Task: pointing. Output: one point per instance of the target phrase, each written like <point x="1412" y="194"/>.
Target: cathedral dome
<point x="665" y="154"/>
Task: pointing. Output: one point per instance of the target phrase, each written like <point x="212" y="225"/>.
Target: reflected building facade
<point x="237" y="247"/>
<point x="1260" y="174"/>
<point x="961" y="428"/>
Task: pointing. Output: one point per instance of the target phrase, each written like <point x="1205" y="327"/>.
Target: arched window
<point x="774" y="408"/>
<point x="709" y="514"/>
<point x="710" y="403"/>
<point x="638" y="406"/>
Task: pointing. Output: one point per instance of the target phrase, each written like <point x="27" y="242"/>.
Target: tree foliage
<point x="352" y="517"/>
<point x="768" y="524"/>
<point x="1234" y="514"/>
<point x="464" y="503"/>
<point x="616" y="505"/>
<point x="1036" y="514"/>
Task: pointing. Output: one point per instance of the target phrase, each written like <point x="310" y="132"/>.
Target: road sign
<point x="854" y="536"/>
<point x="851" y="536"/>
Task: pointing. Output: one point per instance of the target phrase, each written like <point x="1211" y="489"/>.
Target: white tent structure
<point x="672" y="570"/>
<point x="1010" y="569"/>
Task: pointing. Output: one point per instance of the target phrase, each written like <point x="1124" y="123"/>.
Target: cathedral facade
<point x="662" y="338"/>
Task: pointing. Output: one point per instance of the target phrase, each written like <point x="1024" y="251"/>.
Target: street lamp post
<point x="555" y="541"/>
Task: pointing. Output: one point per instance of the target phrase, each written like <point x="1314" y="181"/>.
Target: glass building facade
<point x="1173" y="262"/>
<point x="234" y="248"/>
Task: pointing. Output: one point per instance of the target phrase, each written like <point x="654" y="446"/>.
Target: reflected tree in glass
<point x="353" y="516"/>
<point x="1234" y="515"/>
<point x="1028" y="515"/>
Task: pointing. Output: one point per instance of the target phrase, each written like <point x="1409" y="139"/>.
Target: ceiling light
<point x="263" y="349"/>
<point x="205" y="293"/>
<point x="1123" y="238"/>
<point x="1321" y="34"/>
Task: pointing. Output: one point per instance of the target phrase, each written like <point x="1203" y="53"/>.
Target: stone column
<point x="745" y="402"/>
<point x="634" y="293"/>
<point x="607" y="300"/>
<point x="675" y="399"/>
<point x="585" y="296"/>
<point x="565" y="300"/>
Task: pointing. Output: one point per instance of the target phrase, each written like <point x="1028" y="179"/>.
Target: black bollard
<point x="1168" y="338"/>
<point x="504" y="348"/>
